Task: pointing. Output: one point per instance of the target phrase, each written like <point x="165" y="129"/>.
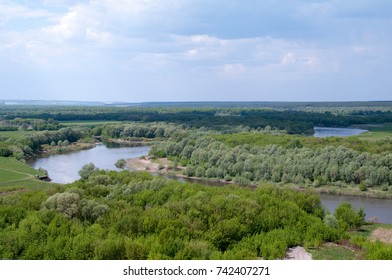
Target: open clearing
<point x="332" y="251"/>
<point x="382" y="234"/>
<point x="87" y="123"/>
<point x="16" y="173"/>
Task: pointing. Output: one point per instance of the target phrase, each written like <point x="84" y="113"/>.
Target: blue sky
<point x="196" y="50"/>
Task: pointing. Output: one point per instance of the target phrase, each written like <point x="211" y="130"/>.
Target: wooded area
<point x="135" y="215"/>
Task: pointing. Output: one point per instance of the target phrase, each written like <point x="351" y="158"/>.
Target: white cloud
<point x="288" y="58"/>
<point x="179" y="38"/>
<point x="232" y="70"/>
<point x="14" y="11"/>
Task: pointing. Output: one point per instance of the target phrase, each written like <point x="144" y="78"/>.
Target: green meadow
<point x="15" y="173"/>
<point x="88" y="124"/>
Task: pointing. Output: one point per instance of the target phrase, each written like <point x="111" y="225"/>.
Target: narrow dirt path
<point x="298" y="253"/>
<point x="28" y="176"/>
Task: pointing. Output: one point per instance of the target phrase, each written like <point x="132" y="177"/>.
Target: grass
<point x="358" y="143"/>
<point x="347" y="251"/>
<point x="88" y="124"/>
<point x="13" y="134"/>
<point x="9" y="175"/>
<point x="367" y="230"/>
<point x="14" y="173"/>
<point x="331" y="251"/>
<point x="376" y="131"/>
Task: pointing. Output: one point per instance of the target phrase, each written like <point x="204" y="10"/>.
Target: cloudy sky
<point x="195" y="50"/>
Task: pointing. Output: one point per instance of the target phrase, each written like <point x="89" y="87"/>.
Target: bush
<point x="64" y="203"/>
<point x="348" y="218"/>
<point x="362" y="187"/>
<point x="120" y="163"/>
<point x="87" y="170"/>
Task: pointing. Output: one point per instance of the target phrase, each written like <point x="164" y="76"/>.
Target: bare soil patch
<point x="161" y="166"/>
<point x="140" y="164"/>
<point x="298" y="253"/>
<point x="382" y="234"/>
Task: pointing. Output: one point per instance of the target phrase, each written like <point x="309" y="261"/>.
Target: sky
<point x="196" y="50"/>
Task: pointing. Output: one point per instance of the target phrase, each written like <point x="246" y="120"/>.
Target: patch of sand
<point x="141" y="164"/>
<point x="162" y="166"/>
<point x="382" y="234"/>
<point x="298" y="253"/>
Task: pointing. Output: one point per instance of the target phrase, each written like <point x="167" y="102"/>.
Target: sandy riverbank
<point x="146" y="164"/>
<point x="298" y="253"/>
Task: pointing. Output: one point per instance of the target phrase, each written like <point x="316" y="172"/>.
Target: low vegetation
<point x="14" y="173"/>
<point x="130" y="215"/>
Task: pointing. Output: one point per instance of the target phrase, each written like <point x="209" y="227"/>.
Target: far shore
<point x="72" y="147"/>
<point x="164" y="167"/>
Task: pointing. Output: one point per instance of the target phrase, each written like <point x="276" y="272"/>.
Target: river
<point x="64" y="168"/>
<point x="322" y="132"/>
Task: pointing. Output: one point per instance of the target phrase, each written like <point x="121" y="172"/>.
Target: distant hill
<point x="208" y="104"/>
<point x="48" y="103"/>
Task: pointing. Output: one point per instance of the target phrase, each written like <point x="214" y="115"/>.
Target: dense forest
<point x="31" y="143"/>
<point x="206" y="156"/>
<point x="243" y="155"/>
<point x="292" y="120"/>
<point x="129" y="215"/>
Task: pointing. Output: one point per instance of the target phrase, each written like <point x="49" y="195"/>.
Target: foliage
<point x="276" y="158"/>
<point x="18" y="174"/>
<point x="87" y="170"/>
<point x="349" y="218"/>
<point x="120" y="163"/>
<point x="295" y="118"/>
<point x="65" y="203"/>
<point x="145" y="217"/>
<point x="131" y="215"/>
<point x="373" y="250"/>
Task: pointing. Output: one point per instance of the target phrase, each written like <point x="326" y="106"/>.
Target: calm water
<point x="322" y="132"/>
<point x="64" y="168"/>
<point x="374" y="207"/>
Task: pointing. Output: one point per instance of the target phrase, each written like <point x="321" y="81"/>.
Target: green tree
<point x="348" y="218"/>
<point x="120" y="163"/>
<point x="87" y="170"/>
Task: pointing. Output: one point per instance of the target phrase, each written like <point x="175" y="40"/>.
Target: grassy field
<point x="12" y="134"/>
<point x="333" y="252"/>
<point x="372" y="142"/>
<point x="87" y="123"/>
<point x="376" y="131"/>
<point x="367" y="230"/>
<point x="15" y="173"/>
<point x="348" y="251"/>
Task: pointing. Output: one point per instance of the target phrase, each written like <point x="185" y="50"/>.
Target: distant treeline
<point x="32" y="142"/>
<point x="373" y="105"/>
<point x="292" y="121"/>
<point x="28" y="124"/>
<point x="282" y="159"/>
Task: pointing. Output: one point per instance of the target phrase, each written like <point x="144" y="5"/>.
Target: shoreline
<point x="164" y="168"/>
<point x="72" y="147"/>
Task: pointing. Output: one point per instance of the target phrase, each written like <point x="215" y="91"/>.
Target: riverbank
<point x="132" y="141"/>
<point x="165" y="167"/>
<point x="63" y="149"/>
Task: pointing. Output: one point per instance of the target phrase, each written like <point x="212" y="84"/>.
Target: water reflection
<point x="322" y="132"/>
<point x="64" y="168"/>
